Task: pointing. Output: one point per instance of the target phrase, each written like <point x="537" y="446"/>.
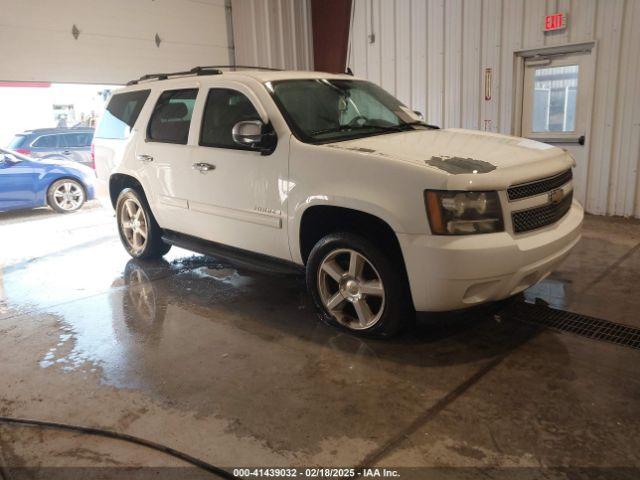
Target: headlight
<point x="463" y="213"/>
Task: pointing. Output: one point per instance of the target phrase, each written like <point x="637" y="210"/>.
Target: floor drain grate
<point x="583" y="325"/>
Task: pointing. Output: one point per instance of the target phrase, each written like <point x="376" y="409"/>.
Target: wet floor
<point x="231" y="365"/>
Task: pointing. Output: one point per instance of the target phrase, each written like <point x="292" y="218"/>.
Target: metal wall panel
<point x="418" y="66"/>
<point x="273" y="33"/>
<point x="608" y="30"/>
<point x="471" y="70"/>
<point x="624" y="195"/>
<point x="433" y="54"/>
<point x="435" y="61"/>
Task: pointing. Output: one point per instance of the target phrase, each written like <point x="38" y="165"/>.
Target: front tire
<point x="358" y="288"/>
<point x="66" y="195"/>
<point x="139" y="232"/>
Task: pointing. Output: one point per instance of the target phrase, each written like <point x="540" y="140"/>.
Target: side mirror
<point x="248" y="133"/>
<point x="254" y="134"/>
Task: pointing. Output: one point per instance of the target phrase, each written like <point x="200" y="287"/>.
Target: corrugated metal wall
<point x="432" y="55"/>
<point x="273" y="33"/>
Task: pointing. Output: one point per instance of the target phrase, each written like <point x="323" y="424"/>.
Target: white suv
<point x="330" y="173"/>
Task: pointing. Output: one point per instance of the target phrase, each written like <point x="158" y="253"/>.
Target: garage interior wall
<point x="116" y="40"/>
<point x="432" y="55"/>
<point x="273" y="33"/>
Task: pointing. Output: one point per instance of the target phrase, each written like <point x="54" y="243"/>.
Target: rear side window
<point x="46" y="141"/>
<point x="77" y="139"/>
<point x="121" y="114"/>
<point x="171" y="116"/>
<point x="17" y="142"/>
<point x="223" y="110"/>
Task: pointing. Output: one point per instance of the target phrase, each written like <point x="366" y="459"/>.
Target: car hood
<point x="492" y="159"/>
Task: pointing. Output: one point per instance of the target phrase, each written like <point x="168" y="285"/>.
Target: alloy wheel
<point x="68" y="196"/>
<point x="134" y="225"/>
<point x="351" y="289"/>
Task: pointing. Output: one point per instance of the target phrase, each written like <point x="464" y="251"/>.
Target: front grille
<point x="538" y="217"/>
<point x="539" y="186"/>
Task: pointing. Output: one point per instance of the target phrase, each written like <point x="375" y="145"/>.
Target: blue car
<point x="29" y="183"/>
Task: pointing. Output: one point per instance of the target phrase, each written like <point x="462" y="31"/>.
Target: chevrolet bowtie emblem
<point x="556" y="196"/>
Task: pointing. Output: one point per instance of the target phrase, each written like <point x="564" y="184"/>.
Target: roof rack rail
<point x="165" y="76"/>
<point x="245" y="67"/>
<point x="206" y="70"/>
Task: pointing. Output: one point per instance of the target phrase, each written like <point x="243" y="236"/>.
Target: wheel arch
<point x="318" y="221"/>
<point x="120" y="181"/>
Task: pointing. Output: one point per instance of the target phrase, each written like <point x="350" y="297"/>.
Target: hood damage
<point x="458" y="165"/>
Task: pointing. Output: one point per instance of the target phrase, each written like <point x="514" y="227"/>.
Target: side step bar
<point x="242" y="258"/>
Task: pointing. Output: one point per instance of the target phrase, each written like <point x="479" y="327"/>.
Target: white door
<point x="557" y="104"/>
<point x="237" y="196"/>
<point x="163" y="156"/>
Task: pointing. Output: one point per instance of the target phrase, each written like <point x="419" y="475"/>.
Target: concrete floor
<point x="231" y="366"/>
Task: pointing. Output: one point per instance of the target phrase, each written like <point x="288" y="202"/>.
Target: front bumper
<point x="89" y="186"/>
<point x="449" y="273"/>
<point x="91" y="192"/>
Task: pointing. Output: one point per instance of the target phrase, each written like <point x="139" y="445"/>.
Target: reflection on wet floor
<point x="551" y="290"/>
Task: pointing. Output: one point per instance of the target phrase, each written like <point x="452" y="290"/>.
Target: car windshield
<point x="323" y="110"/>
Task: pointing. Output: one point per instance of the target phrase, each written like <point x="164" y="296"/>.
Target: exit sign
<point x="556" y="21"/>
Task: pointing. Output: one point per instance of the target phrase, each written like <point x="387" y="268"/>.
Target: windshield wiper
<point x="420" y="123"/>
<point x="381" y="128"/>
<point x="344" y="128"/>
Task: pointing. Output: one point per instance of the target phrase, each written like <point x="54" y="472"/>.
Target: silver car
<point x="56" y="143"/>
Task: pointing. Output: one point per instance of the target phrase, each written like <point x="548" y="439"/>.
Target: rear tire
<point x="139" y="232"/>
<point x="358" y="288"/>
<point x="66" y="195"/>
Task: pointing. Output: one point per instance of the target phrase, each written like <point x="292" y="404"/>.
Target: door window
<point x="224" y="108"/>
<point x="46" y="141"/>
<point x="554" y="99"/>
<point x="171" y="116"/>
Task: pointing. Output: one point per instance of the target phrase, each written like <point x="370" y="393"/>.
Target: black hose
<point x="127" y="438"/>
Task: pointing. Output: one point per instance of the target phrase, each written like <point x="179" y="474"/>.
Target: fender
<point x="297" y="212"/>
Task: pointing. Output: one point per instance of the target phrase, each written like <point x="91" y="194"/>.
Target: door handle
<point x="203" y="167"/>
<point x="581" y="140"/>
<point x="145" y="158"/>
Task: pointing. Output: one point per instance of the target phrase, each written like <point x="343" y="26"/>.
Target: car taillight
<point x="93" y="156"/>
<point x="23" y="151"/>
